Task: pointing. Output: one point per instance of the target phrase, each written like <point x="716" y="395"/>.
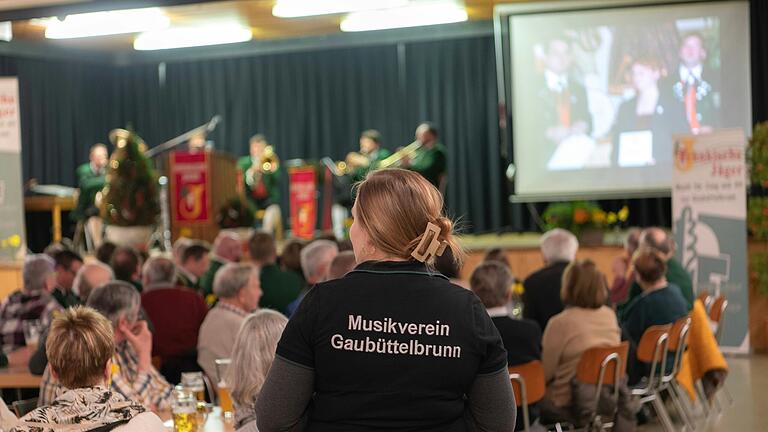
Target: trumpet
<point x="268" y="164"/>
<point x="396" y="158"/>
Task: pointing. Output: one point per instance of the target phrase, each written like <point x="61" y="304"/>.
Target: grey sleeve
<point x="285" y="396"/>
<point x="492" y="402"/>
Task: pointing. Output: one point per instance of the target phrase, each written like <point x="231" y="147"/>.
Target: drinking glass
<point x="32" y="330"/>
<point x="193" y="381"/>
<point x="225" y="397"/>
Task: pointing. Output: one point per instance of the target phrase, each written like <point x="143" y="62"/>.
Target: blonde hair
<point x="253" y="353"/>
<point x="584" y="285"/>
<point x="79" y="345"/>
<point x="394" y="207"/>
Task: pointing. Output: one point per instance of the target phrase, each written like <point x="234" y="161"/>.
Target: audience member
<point x="252" y="356"/>
<point x="226" y="249"/>
<point x="342" y="264"/>
<point x="105" y="251"/>
<point x="541" y="296"/>
<point x="178" y="248"/>
<point x="81" y="345"/>
<point x="623" y="277"/>
<point x="280" y="287"/>
<point x="498" y="255"/>
<point x="492" y="283"/>
<point x="290" y="260"/>
<point x="177" y="313"/>
<point x="193" y="263"/>
<point x="126" y="263"/>
<point x="67" y="265"/>
<point x="32" y="302"/>
<point x="660" y="303"/>
<point x="238" y="289"/>
<point x="344" y="356"/>
<point x="585" y="323"/>
<point x="132" y="373"/>
<point x="316" y="258"/>
<point x="89" y="277"/>
<point x="657" y="239"/>
<point x="450" y="268"/>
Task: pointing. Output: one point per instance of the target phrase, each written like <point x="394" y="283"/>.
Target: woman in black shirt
<point x="393" y="344"/>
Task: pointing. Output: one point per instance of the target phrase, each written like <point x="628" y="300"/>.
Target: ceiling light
<point x="300" y="8"/>
<point x="409" y="16"/>
<point x="192" y="36"/>
<point x="106" y="23"/>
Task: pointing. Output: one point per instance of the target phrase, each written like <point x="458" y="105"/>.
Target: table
<point x="214" y="423"/>
<point x="18" y="377"/>
<point x="53" y="204"/>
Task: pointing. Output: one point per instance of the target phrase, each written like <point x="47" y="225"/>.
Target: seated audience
<point x="81" y="345"/>
<point x="623" y="277"/>
<point x="66" y="267"/>
<point x="290" y="260"/>
<point x="105" y="251"/>
<point x="177" y="250"/>
<point x="132" y="374"/>
<point x="498" y="255"/>
<point x="252" y="355"/>
<point x="492" y="283"/>
<point x="126" y="263"/>
<point x="541" y="296"/>
<point x="280" y="287"/>
<point x="584" y="323"/>
<point x="32" y="302"/>
<point x="176" y="313"/>
<point x="659" y="240"/>
<point x="193" y="263"/>
<point x="226" y="249"/>
<point x="90" y="276"/>
<point x="659" y="303"/>
<point x="450" y="268"/>
<point x="342" y="264"/>
<point x="238" y="288"/>
<point x="316" y="258"/>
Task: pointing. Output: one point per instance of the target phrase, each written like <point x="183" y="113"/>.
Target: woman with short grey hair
<point x="252" y="356"/>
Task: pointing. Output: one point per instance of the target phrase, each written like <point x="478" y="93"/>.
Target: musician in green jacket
<point x="259" y="180"/>
<point x="90" y="180"/>
<point x="430" y="159"/>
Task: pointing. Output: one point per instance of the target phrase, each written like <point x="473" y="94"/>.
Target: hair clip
<point x="429" y="245"/>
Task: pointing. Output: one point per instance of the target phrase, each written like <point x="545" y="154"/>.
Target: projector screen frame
<point x="502" y="14"/>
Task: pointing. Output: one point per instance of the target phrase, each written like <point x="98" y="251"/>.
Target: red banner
<point x="303" y="200"/>
<point x="190" y="176"/>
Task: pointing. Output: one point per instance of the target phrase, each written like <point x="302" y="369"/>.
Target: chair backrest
<point x="679" y="329"/>
<point x="717" y="309"/>
<point x="532" y="374"/>
<point x="653" y="349"/>
<point x="705" y="298"/>
<point x="591" y="361"/>
<point x="23" y="407"/>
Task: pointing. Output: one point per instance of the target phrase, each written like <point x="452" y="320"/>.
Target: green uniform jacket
<point x="90" y="184"/>
<point x="358" y="174"/>
<point x="206" y="280"/>
<point x="430" y="163"/>
<point x="279" y="287"/>
<point x="66" y="299"/>
<point x="676" y="275"/>
<point x="183" y="280"/>
<point x="271" y="183"/>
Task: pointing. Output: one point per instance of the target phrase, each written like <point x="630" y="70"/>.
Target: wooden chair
<point x="601" y="366"/>
<point x="717" y="315"/>
<point x="705" y="298"/>
<point x="652" y="349"/>
<point x="528" y="385"/>
<point x="23" y="407"/>
<point x="678" y="343"/>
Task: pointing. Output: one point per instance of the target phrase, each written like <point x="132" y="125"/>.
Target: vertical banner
<point x="12" y="242"/>
<point x="191" y="200"/>
<point x="303" y="201"/>
<point x="709" y="211"/>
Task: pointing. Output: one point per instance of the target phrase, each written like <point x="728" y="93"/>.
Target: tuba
<point x="268" y="164"/>
<point x="396" y="157"/>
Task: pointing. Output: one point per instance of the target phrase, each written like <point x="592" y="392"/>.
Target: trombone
<point x="268" y="164"/>
<point x="396" y="158"/>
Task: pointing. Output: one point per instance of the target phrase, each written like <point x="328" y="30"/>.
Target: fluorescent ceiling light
<point x="6" y="31"/>
<point x="300" y="8"/>
<point x="192" y="36"/>
<point x="421" y="14"/>
<point x="106" y="23"/>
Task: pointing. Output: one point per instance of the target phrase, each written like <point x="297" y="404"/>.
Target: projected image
<point x="612" y="96"/>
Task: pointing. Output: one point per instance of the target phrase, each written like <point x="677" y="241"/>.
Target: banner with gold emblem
<point x="303" y="200"/>
<point x="191" y="203"/>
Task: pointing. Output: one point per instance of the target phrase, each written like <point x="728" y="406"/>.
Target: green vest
<point x="270" y="181"/>
<point x="430" y="163"/>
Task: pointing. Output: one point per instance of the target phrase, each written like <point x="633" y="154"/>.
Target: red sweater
<point x="176" y="313"/>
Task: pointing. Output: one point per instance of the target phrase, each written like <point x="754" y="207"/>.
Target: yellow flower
<point x="611" y="218"/>
<point x="598" y="216"/>
<point x="624" y="214"/>
<point x="517" y="288"/>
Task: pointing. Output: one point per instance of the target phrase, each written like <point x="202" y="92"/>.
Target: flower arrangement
<point x="577" y="216"/>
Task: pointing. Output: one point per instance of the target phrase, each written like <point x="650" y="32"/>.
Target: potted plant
<point x="586" y="219"/>
<point x="130" y="204"/>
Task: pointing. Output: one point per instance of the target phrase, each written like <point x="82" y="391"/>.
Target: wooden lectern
<point x="201" y="183"/>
